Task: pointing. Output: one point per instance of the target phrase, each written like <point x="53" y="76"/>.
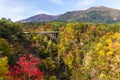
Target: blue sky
<point x="21" y="9"/>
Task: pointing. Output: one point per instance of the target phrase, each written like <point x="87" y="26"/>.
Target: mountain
<point x="40" y="18"/>
<point x="94" y="14"/>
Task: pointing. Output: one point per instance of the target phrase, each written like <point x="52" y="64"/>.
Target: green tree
<point x="6" y="49"/>
<point x="9" y="30"/>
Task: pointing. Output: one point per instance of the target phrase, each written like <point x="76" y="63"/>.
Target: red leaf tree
<point x="26" y="68"/>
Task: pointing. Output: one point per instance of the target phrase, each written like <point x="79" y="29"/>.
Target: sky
<point x="21" y="9"/>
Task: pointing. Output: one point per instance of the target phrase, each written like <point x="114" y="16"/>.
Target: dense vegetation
<point x="82" y="51"/>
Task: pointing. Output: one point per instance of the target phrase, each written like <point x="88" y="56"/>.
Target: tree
<point x="10" y="31"/>
<point x="26" y="68"/>
<point x="3" y="67"/>
<point x="6" y="49"/>
<point x="103" y="60"/>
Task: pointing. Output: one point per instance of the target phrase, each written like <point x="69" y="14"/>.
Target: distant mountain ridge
<point x="40" y="18"/>
<point x="94" y="14"/>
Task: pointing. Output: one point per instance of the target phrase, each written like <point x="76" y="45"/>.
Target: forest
<point x="81" y="51"/>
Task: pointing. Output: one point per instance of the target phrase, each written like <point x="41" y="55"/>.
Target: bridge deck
<point x="44" y="32"/>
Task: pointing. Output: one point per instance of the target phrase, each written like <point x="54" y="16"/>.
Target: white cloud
<point x="57" y="2"/>
<point x="84" y="3"/>
<point x="10" y="9"/>
<point x="42" y="12"/>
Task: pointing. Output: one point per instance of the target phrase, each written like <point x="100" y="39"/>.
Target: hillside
<point x="94" y="14"/>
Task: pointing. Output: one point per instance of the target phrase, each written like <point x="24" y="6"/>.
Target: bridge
<point x="52" y="34"/>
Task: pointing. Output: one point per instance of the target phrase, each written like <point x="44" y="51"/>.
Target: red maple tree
<point x="26" y="68"/>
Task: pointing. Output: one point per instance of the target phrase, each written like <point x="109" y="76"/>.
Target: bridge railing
<point x="52" y="34"/>
<point x="43" y="32"/>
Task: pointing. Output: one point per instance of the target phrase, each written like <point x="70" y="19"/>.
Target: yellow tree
<point x="3" y="67"/>
<point x="103" y="60"/>
<point x="70" y="45"/>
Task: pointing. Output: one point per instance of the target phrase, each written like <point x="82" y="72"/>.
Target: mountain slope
<point x="39" y="18"/>
<point x="93" y="14"/>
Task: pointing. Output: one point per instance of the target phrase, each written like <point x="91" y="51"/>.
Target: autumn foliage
<point x="26" y="69"/>
<point x="81" y="51"/>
